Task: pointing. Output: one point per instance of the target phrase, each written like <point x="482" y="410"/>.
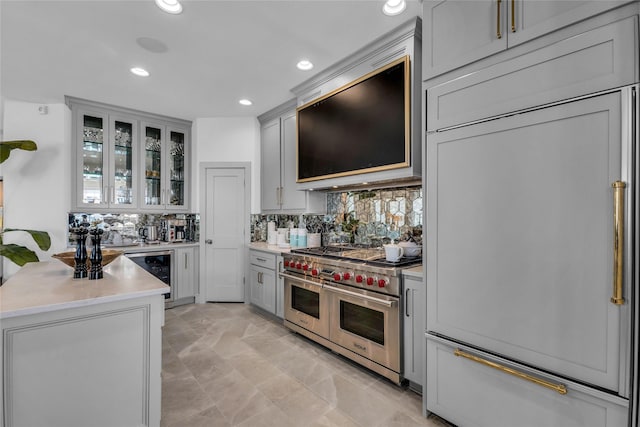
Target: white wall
<point x="235" y="139"/>
<point x="37" y="184"/>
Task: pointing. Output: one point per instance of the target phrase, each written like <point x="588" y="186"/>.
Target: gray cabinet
<point x="262" y="280"/>
<point x="187" y="272"/>
<point x="414" y="327"/>
<point x="587" y="62"/>
<point x="469" y="392"/>
<point x="456" y="33"/>
<point x="270" y="165"/>
<point x="278" y="141"/>
<point x="126" y="160"/>
<point x="106" y="153"/>
<point x="524" y="203"/>
<point x="166" y="170"/>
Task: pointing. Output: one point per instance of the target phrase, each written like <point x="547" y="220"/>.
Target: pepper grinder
<point x="96" y="255"/>
<point x="80" y="271"/>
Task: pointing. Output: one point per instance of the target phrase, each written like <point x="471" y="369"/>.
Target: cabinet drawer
<point x="600" y="59"/>
<point x="469" y="393"/>
<point x="263" y="259"/>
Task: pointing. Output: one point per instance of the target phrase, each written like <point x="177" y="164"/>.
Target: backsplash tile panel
<point x="363" y="217"/>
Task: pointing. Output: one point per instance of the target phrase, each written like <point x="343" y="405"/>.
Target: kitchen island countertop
<point x="48" y="286"/>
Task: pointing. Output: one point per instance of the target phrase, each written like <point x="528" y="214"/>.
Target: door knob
<point x="209" y="242"/>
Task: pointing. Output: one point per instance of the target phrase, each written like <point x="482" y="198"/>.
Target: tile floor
<point x="231" y="365"/>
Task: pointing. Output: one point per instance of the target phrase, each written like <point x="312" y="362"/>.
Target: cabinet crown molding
<point x="410" y="29"/>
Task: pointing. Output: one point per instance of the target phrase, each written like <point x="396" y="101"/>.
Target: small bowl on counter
<point x="411" y="249"/>
<point x="108" y="255"/>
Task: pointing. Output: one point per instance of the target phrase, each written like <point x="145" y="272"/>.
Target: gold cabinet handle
<point x="513" y="16"/>
<point x="498" y="32"/>
<point x="618" y="241"/>
<point x="560" y="388"/>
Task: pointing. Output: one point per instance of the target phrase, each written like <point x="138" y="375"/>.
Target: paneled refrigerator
<point x="531" y="266"/>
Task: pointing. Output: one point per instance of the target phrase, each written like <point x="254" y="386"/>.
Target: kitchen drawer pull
<point x="299" y="279"/>
<point x="560" y="388"/>
<point x="406" y="302"/>
<point x="261" y="259"/>
<point x="498" y="32"/>
<point x="618" y="241"/>
<point x="358" y="295"/>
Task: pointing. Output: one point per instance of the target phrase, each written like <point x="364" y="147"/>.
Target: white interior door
<point x="520" y="238"/>
<point x="226" y="218"/>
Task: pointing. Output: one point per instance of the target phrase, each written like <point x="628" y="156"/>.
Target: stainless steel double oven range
<point x="349" y="300"/>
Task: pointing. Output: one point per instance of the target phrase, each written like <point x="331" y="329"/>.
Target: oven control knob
<point x="299" y="266"/>
<point x="337" y="276"/>
<point x="360" y="278"/>
<point x="382" y="283"/>
<point x="371" y="280"/>
<point x="314" y="272"/>
<point x="347" y="275"/>
<point x="305" y="267"/>
<point x="286" y="263"/>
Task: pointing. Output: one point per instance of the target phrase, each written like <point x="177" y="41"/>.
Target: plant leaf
<point x="23" y="144"/>
<point x="40" y="237"/>
<point x="18" y="254"/>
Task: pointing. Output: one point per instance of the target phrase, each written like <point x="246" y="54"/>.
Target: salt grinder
<point x="96" y="255"/>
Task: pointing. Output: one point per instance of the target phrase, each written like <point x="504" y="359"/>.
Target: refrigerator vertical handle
<point x="513" y="16"/>
<point x="618" y="241"/>
<point x="498" y="6"/>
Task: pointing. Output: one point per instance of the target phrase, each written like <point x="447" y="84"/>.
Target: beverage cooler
<point x="158" y="263"/>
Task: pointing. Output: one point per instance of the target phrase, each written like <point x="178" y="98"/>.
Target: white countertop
<point x="146" y="247"/>
<point x="265" y="247"/>
<point x="413" y="271"/>
<point x="48" y="286"/>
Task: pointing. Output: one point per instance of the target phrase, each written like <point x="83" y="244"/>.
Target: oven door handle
<point x="359" y="295"/>
<point x="299" y="279"/>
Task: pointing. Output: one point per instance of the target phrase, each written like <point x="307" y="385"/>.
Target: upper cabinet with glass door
<point x="165" y="166"/>
<point x="105" y="178"/>
<point x="126" y="160"/>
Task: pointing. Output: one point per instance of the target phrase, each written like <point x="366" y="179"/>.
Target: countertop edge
<point x="80" y="303"/>
<point x="264" y="247"/>
<point x="49" y="286"/>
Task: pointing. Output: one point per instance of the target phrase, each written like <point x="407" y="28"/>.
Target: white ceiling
<point x="217" y="51"/>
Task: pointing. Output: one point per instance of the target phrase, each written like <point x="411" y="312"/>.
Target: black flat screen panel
<point x="362" y="127"/>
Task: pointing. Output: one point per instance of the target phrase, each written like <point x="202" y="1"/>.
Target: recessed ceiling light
<point x="140" y="72"/>
<point x="394" y="7"/>
<point x="245" y="102"/>
<point x="304" y="65"/>
<point x="170" y="6"/>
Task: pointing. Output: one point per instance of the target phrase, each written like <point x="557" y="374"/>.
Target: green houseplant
<point x="17" y="253"/>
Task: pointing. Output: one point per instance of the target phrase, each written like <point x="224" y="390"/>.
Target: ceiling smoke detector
<point x="170" y="6"/>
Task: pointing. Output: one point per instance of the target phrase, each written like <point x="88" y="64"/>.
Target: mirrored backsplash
<point x="122" y="229"/>
<point x="368" y="218"/>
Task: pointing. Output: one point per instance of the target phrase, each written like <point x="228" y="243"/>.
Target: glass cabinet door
<point x="176" y="166"/>
<point x="93" y="159"/>
<point x="153" y="166"/>
<point x="123" y="136"/>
